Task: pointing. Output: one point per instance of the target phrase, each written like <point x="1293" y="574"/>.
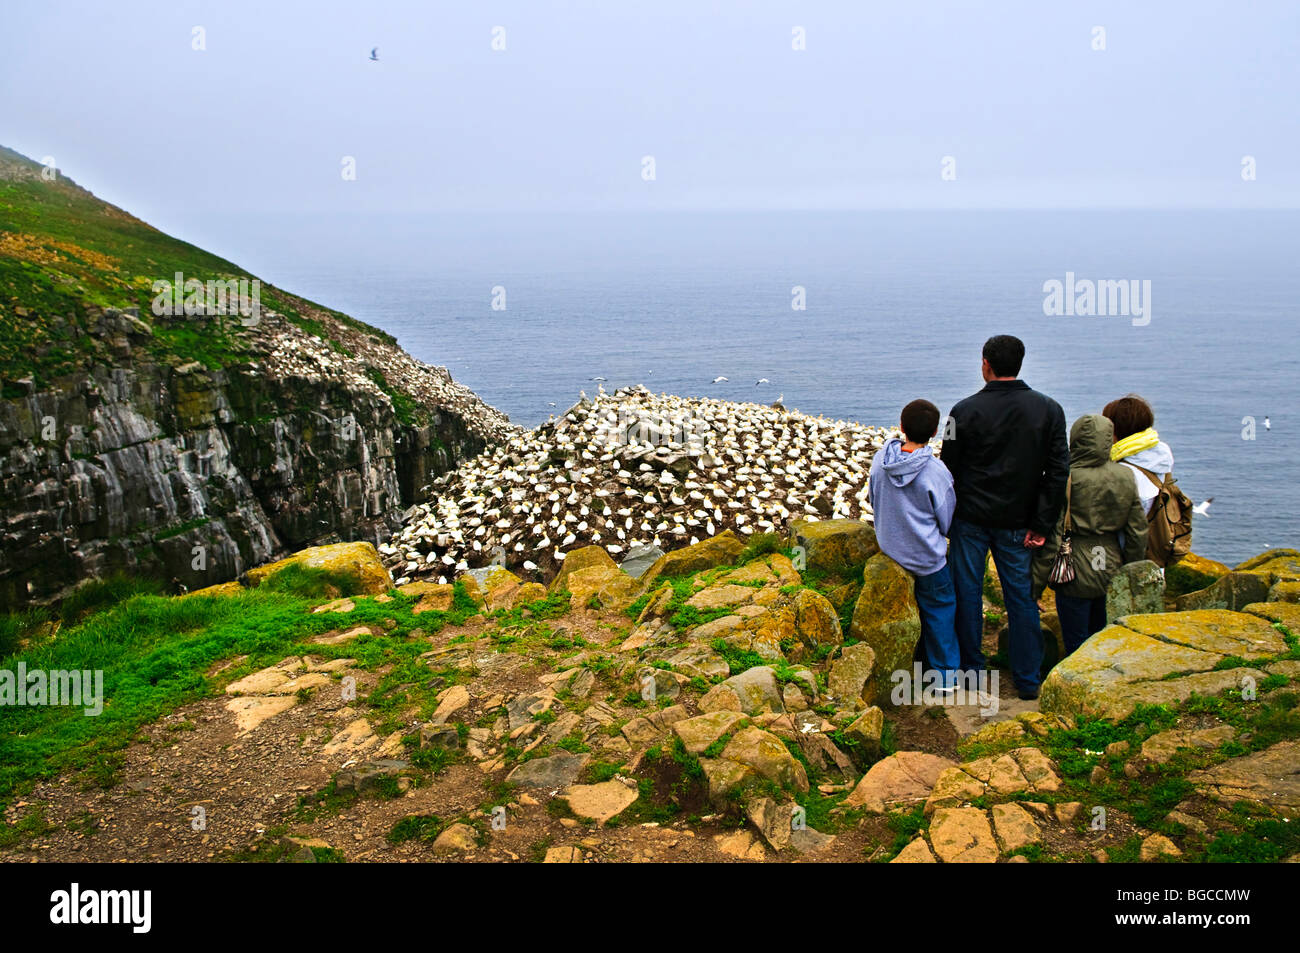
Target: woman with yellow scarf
<point x="1138" y="446"/>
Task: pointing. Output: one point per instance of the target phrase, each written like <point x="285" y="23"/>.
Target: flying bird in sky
<point x="1203" y="509"/>
<point x="718" y="380"/>
<point x="374" y="54"/>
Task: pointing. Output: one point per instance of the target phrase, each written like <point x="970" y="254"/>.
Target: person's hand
<point x="1033" y="540"/>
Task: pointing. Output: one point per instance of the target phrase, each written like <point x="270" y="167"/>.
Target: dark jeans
<point x="968" y="549"/>
<point x="1080" y="619"/>
<point x="937" y="601"/>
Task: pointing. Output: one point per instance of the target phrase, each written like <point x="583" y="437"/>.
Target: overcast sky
<point x="1014" y="92"/>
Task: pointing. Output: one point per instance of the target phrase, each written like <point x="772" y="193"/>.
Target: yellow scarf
<point x="1134" y="443"/>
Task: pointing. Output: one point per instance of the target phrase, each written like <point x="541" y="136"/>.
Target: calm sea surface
<point x="898" y="304"/>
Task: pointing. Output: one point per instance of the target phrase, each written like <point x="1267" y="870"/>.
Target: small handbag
<point x="1062" y="566"/>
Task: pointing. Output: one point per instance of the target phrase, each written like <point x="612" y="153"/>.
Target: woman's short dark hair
<point x="920" y="420"/>
<point x="1130" y="414"/>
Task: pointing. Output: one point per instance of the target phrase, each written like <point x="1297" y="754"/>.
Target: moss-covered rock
<point x="720" y="550"/>
<point x="528" y="592"/>
<point x="1287" y="613"/>
<point x="768" y="756"/>
<point x="1286" y="591"/>
<point x="1160" y="658"/>
<point x="220" y="589"/>
<point x="608" y="585"/>
<point x="1192" y="573"/>
<point x="1274" y="562"/>
<point x="1231" y="591"/>
<point x="886" y="617"/>
<point x="358" y="560"/>
<point x="1137" y="587"/>
<point x="835" y="546"/>
<point x="584" y="558"/>
<point x="752" y="691"/>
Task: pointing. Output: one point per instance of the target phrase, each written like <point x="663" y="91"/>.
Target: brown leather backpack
<point x="1169" y="521"/>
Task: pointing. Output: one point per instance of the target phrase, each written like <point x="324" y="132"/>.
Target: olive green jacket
<point x="1103" y="503"/>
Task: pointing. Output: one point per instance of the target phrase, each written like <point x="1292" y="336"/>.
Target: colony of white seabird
<point x="630" y="469"/>
<point x="294" y="352"/>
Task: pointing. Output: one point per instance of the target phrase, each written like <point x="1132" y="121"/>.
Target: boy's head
<point x="919" y="421"/>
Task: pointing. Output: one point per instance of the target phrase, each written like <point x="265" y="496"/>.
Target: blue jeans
<point x="968" y="550"/>
<point x="937" y="601"/>
<point x="1080" y="619"/>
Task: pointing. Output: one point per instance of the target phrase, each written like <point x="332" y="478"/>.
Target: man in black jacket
<point x="1007" y="451"/>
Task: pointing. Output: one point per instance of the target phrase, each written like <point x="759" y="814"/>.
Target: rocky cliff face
<point x="192" y="447"/>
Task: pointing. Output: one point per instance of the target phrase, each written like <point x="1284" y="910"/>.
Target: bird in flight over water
<point x="374" y="54"/>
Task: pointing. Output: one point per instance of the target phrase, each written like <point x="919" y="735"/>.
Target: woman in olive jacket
<point x="1108" y="528"/>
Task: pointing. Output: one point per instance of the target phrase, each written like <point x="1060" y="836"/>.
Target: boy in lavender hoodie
<point x="912" y="497"/>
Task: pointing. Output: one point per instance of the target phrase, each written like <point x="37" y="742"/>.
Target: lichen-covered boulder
<point x="886" y="617"/>
<point x="1286" y="591"/>
<point x="528" y="592"/>
<point x="902" y="780"/>
<point x="1287" y="613"/>
<point x="584" y="558"/>
<point x="720" y="550"/>
<point x="220" y="589"/>
<point x="703" y="730"/>
<point x="1193" y="572"/>
<point x="752" y="691"/>
<point x="768" y="756"/>
<point x="1232" y="591"/>
<point x="499" y="586"/>
<point x="1276" y="565"/>
<point x="796" y="628"/>
<point x="774" y="569"/>
<point x="1161" y="658"/>
<point x="1136" y="588"/>
<point x="849" y="680"/>
<point x="835" y="545"/>
<point x="360" y="560"/>
<point x="610" y="586"/>
<point x="429" y="596"/>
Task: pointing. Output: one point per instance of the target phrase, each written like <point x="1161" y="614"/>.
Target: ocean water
<point x="897" y="306"/>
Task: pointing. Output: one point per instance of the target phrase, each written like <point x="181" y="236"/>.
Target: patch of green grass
<point x="97" y="595"/>
<point x="1260" y="842"/>
<point x="738" y="660"/>
<point x="154" y="653"/>
<point x="420" y="827"/>
<point x="905" y="827"/>
<point x="306" y="582"/>
<point x="761" y="544"/>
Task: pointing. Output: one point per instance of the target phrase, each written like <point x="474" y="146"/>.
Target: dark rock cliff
<point x="190" y="447"/>
<point x="193" y="474"/>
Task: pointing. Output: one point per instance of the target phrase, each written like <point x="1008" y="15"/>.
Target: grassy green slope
<point x="62" y="249"/>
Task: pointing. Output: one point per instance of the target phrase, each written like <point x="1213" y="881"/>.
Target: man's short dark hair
<point x="920" y="420"/>
<point x="1005" y="354"/>
<point x="1130" y="414"/>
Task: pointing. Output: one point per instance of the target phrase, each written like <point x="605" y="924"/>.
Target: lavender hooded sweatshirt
<point x="913" y="501"/>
